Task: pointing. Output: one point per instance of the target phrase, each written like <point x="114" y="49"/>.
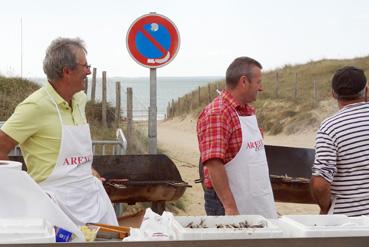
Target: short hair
<point x="241" y="66"/>
<point x="61" y="53"/>
<point x="348" y="83"/>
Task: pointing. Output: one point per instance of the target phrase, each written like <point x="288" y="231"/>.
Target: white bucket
<point x="15" y="165"/>
<point x="26" y="230"/>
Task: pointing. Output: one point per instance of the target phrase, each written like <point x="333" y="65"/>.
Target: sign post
<point x="153" y="41"/>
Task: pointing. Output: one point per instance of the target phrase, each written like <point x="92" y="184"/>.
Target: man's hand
<point x="219" y="180"/>
<point x="231" y="211"/>
<point x="96" y="174"/>
<point x="321" y="192"/>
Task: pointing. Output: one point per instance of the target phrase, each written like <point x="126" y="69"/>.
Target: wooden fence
<point x="276" y="88"/>
<point x="118" y="108"/>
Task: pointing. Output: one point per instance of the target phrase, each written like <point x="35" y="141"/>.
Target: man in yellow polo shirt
<point x="33" y="125"/>
<point x="51" y="129"/>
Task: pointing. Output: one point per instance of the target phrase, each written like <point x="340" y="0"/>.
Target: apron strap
<point x="56" y="106"/>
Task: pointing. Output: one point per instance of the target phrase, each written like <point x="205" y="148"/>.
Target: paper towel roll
<point x="8" y="164"/>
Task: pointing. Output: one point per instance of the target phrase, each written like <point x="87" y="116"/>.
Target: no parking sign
<point x="153" y="40"/>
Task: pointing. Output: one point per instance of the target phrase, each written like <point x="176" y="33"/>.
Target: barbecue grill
<point x="289" y="171"/>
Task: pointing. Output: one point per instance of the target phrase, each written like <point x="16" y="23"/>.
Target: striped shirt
<point x="342" y="158"/>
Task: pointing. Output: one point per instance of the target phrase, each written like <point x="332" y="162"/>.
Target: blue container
<point x="62" y="235"/>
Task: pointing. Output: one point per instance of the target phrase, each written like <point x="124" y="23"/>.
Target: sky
<point x="212" y="33"/>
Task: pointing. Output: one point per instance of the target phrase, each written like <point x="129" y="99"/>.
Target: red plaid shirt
<point x="219" y="131"/>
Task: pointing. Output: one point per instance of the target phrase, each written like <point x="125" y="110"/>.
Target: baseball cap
<point x="348" y="81"/>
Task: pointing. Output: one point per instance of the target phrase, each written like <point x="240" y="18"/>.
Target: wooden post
<point x="315" y="93"/>
<point x="179" y="108"/>
<point x="129" y="118"/>
<point x="103" y="103"/>
<point x="276" y="85"/>
<point x="93" y="86"/>
<point x="296" y="85"/>
<point x="193" y="103"/>
<point x="117" y="104"/>
<point x="209" y="93"/>
<point x="168" y="112"/>
<point x="173" y="109"/>
<point x="188" y="103"/>
<point x="199" y="100"/>
<point x="86" y="85"/>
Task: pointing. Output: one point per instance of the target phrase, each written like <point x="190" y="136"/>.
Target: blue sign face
<point x="153" y="41"/>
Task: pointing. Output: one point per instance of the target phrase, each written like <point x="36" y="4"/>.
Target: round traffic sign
<point x="153" y="40"/>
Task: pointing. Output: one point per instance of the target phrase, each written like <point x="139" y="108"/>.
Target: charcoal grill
<point x="289" y="171"/>
<point x="141" y="178"/>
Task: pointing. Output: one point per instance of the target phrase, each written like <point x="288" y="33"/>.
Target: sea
<point x="167" y="88"/>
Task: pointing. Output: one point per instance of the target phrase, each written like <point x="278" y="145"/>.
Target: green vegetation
<point x="290" y="107"/>
<point x="12" y="92"/>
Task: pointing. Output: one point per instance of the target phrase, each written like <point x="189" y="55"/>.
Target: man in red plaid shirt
<point x="236" y="176"/>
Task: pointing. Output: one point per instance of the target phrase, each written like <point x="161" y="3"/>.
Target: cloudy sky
<point x="213" y="32"/>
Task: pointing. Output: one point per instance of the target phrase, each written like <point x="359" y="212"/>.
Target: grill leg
<point x="158" y="207"/>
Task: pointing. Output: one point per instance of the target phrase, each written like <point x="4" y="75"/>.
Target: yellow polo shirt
<point x="36" y="126"/>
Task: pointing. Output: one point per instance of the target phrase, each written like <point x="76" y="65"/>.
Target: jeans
<point x="213" y="206"/>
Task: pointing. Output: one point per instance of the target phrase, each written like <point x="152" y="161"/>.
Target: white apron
<point x="248" y="173"/>
<point x="71" y="184"/>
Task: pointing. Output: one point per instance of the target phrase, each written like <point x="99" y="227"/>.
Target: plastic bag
<point x="153" y="228"/>
<point x="89" y="231"/>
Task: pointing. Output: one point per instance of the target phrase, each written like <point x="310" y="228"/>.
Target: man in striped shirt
<point x="340" y="174"/>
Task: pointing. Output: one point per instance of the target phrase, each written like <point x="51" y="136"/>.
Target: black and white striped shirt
<point x="342" y="158"/>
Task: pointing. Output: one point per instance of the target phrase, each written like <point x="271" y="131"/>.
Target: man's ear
<point x="366" y="94"/>
<point x="66" y="71"/>
<point x="334" y="95"/>
<point x="244" y="80"/>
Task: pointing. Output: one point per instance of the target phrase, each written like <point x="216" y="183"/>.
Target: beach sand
<point x="177" y="138"/>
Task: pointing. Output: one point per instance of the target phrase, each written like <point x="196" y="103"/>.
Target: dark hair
<point x="61" y="53"/>
<point x="348" y="83"/>
<point x="241" y="66"/>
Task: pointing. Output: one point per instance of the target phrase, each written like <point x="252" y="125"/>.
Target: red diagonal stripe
<point x="152" y="40"/>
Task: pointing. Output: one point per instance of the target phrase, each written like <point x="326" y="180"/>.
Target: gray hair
<point x="60" y="54"/>
<point x="241" y="66"/>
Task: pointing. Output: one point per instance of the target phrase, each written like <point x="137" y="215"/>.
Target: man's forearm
<point x="220" y="184"/>
<point x="321" y="192"/>
<point x="4" y="156"/>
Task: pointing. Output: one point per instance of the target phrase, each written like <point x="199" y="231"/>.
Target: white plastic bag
<point x="153" y="228"/>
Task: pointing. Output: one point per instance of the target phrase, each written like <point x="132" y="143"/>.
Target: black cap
<point x="348" y="81"/>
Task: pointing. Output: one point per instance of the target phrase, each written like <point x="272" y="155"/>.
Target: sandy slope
<point x="177" y="138"/>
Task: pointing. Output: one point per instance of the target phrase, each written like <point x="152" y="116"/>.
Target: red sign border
<point x="140" y="22"/>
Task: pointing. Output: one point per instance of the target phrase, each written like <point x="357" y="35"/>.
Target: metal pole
<point x="104" y="100"/>
<point x="129" y="119"/>
<point x="117" y="104"/>
<point x="152" y="113"/>
<point x="21" y="48"/>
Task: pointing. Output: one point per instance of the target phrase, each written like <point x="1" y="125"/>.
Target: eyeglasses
<point x="86" y="65"/>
